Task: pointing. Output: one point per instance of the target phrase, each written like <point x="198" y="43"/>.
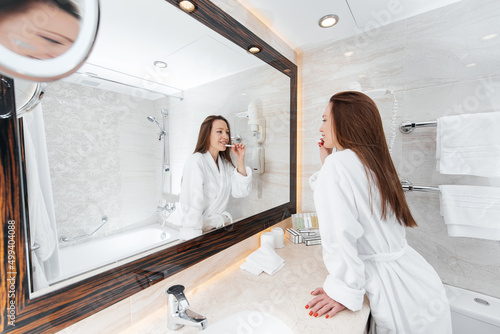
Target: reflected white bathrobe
<point x="366" y="254"/>
<point x="205" y="191"/>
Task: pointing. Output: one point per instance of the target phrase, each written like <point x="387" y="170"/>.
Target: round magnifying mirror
<point x="45" y="40"/>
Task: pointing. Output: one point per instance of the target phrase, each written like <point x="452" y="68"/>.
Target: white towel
<point x="471" y="211"/>
<point x="251" y="268"/>
<point x="263" y="259"/>
<point x="469" y="144"/>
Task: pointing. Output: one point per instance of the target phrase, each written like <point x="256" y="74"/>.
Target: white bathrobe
<point x="364" y="254"/>
<point x="205" y="191"/>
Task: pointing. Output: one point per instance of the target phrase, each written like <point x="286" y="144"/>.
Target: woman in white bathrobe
<point x="210" y="177"/>
<point x="362" y="216"/>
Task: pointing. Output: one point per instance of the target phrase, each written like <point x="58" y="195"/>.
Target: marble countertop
<point x="283" y="295"/>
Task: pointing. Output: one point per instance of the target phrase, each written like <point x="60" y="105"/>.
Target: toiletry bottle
<point x="300" y="221"/>
<point x="314" y="219"/>
<point x="307" y="220"/>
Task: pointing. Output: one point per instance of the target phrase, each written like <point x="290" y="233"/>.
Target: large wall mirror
<point x="102" y="155"/>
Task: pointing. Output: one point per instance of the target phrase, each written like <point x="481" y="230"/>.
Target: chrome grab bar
<point x="104" y="220"/>
<point x="408" y="186"/>
<point x="409" y="126"/>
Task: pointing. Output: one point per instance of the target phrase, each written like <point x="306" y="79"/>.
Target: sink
<point x="254" y="322"/>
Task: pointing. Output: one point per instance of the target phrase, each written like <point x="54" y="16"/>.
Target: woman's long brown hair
<point x="203" y="143"/>
<point x="358" y="126"/>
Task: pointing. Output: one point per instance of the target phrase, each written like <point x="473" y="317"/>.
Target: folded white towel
<point x="469" y="144"/>
<point x="253" y="269"/>
<point x="264" y="259"/>
<point x="471" y="211"/>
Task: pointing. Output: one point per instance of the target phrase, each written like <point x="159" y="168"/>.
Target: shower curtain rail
<point x="409" y="126"/>
<point x="408" y="186"/>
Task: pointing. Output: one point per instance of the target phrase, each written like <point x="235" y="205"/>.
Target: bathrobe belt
<point x="385" y="257"/>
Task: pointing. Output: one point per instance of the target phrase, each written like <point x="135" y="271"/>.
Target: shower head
<point x="154" y="120"/>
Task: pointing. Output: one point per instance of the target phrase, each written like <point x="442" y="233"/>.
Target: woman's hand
<point x="239" y="154"/>
<point x="322" y="304"/>
<point x="239" y="151"/>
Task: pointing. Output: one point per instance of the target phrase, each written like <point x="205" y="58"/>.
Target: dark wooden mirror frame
<point x="59" y="309"/>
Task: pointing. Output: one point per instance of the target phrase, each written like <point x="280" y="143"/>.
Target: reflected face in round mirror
<point x="39" y="29"/>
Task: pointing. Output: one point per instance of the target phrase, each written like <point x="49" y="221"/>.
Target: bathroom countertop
<point x="283" y="295"/>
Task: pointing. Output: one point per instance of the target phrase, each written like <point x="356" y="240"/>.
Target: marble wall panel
<point x="98" y="142"/>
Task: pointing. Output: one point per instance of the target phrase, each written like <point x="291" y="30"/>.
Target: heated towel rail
<point x="409" y="126"/>
<point x="408" y="186"/>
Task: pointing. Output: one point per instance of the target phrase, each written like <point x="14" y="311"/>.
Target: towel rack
<point x="409" y="126"/>
<point x="408" y="186"/>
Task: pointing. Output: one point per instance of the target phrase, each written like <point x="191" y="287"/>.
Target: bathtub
<point x="95" y="253"/>
<point x="472" y="312"/>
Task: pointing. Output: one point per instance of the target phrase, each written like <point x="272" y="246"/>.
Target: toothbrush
<point x="227" y="145"/>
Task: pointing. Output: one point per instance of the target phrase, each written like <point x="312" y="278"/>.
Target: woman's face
<point x="43" y="31"/>
<point x="219" y="136"/>
<point x="326" y="129"/>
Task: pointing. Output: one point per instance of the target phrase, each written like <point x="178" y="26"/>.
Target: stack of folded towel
<point x="265" y="260"/>
<point x="469" y="144"/>
<point x="471" y="211"/>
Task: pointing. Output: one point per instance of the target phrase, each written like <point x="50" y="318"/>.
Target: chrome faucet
<point x="179" y="313"/>
<point x="169" y="207"/>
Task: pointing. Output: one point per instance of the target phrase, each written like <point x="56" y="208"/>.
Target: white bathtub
<point x="99" y="252"/>
<point x="472" y="312"/>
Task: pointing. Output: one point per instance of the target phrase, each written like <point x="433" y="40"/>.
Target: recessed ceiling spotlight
<point x="187" y="6"/>
<point x="160" y="64"/>
<point x="328" y="21"/>
<point x="254" y="49"/>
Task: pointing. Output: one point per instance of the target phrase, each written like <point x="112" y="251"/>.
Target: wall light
<point x="187" y="6"/>
<point x="254" y="49"/>
<point x="328" y="21"/>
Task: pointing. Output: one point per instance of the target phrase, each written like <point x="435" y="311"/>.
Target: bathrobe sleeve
<point x="192" y="198"/>
<point x="340" y="230"/>
<point x="241" y="186"/>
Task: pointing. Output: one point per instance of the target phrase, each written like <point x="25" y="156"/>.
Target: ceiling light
<point x="160" y="64"/>
<point x="254" y="49"/>
<point x="187" y="6"/>
<point x="328" y="21"/>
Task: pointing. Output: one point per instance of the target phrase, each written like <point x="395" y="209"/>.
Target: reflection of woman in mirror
<point x="40" y="29"/>
<point x="210" y="177"/>
<point x="363" y="214"/>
